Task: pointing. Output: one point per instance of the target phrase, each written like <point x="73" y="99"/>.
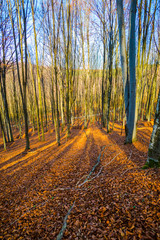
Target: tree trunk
<point x="154" y="146"/>
<point x="131" y="121"/>
<point x="38" y="73"/>
<point x="122" y="40"/>
<point x="3" y="132"/>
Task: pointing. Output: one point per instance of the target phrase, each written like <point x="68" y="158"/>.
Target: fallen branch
<point x="94" y="167"/>
<point x="128" y="170"/>
<point x="111" y="160"/>
<point x="63" y="189"/>
<point x="60" y="235"/>
<point x="102" y="168"/>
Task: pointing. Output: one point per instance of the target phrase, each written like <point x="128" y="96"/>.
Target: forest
<point x="80" y="119"/>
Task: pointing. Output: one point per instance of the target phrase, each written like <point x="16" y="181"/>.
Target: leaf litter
<point x="91" y="187"/>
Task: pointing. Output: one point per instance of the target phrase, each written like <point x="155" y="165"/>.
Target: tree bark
<point x="154" y="146"/>
<point x="131" y="122"/>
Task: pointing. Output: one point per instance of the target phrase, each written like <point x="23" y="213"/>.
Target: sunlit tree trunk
<point x="18" y="120"/>
<point x="110" y="64"/>
<point x="23" y="65"/>
<point x="104" y="62"/>
<point x="43" y="85"/>
<point x="38" y="73"/>
<point x="67" y="50"/>
<point x="129" y="87"/>
<point x="131" y="123"/>
<point x="151" y="93"/>
<point x="84" y="71"/>
<point x="3" y="132"/>
<point x="154" y="146"/>
<point x="56" y="76"/>
<point x="122" y="40"/>
<point x="3" y="67"/>
<point x="35" y="98"/>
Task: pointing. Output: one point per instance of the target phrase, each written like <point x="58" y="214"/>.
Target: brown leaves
<point x="121" y="203"/>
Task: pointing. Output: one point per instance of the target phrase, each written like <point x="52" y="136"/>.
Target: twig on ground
<point x="81" y="179"/>
<point x="60" y="235"/>
<point x="111" y="160"/>
<point x="97" y="163"/>
<point x="102" y="168"/>
<point x="127" y="170"/>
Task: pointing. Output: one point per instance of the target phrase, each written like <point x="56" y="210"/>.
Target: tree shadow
<point x="138" y="156"/>
<point x="28" y="178"/>
<point x="19" y="157"/>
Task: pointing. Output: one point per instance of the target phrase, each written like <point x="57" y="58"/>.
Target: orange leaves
<point x="121" y="203"/>
<point x="158" y="215"/>
<point x="121" y="232"/>
<point x="131" y="225"/>
<point x="102" y="210"/>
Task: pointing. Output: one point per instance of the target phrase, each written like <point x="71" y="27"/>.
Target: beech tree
<point x="154" y="146"/>
<point x="73" y="71"/>
<point x="5" y="41"/>
<point x="129" y="84"/>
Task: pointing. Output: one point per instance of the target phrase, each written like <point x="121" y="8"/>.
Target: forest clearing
<point x="119" y="200"/>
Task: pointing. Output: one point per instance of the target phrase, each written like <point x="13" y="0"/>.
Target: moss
<point x="151" y="164"/>
<point x="145" y="166"/>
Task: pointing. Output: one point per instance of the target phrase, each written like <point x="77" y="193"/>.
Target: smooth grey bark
<point x="154" y="146"/>
<point x="122" y="40"/>
<point x="110" y="64"/>
<point x="128" y="85"/>
<point x="3" y="66"/>
<point x="104" y="63"/>
<point x="25" y="78"/>
<point x="3" y="132"/>
<point x="131" y="121"/>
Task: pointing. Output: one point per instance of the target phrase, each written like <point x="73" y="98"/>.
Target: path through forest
<point x="93" y="174"/>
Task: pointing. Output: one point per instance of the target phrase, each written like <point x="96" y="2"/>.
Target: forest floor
<point x="93" y="183"/>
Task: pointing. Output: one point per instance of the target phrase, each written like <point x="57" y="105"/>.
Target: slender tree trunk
<point x="104" y="63"/>
<point x="3" y="79"/>
<point x="110" y="65"/>
<point x="154" y="146"/>
<point x="67" y="49"/>
<point x="57" y="123"/>
<point x="3" y="132"/>
<point x="122" y="40"/>
<point x="24" y="71"/>
<point x="38" y="73"/>
<point x="35" y="99"/>
<point x="131" y="123"/>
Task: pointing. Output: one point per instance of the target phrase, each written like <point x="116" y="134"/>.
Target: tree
<point x="4" y="63"/>
<point x="3" y="132"/>
<point x="154" y="146"/>
<point x="38" y="71"/>
<point x="131" y="121"/>
<point x="128" y="84"/>
<point x="23" y="38"/>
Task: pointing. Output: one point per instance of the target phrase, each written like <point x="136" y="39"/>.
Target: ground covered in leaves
<point x="91" y="187"/>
